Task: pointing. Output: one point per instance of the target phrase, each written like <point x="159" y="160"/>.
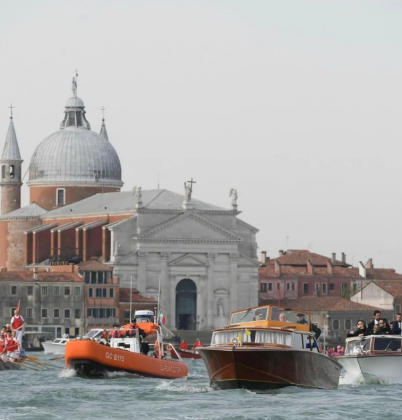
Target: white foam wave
<point x="182" y="387"/>
<point x="67" y="373"/>
<point x="118" y="374"/>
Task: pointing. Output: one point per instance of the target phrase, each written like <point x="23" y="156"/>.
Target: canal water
<point x="59" y="394"/>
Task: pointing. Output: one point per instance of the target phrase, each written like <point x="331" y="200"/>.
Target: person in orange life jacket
<point x="183" y="345"/>
<point x="17" y="322"/>
<point x="3" y="347"/>
<point x="197" y="343"/>
<point x="13" y="347"/>
<point x="115" y="333"/>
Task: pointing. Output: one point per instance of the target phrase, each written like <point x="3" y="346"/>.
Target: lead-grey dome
<point x="75" y="156"/>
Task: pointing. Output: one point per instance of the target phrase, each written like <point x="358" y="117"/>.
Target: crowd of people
<point x="378" y="326"/>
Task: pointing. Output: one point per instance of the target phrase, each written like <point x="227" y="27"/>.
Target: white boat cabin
<point x="268" y="326"/>
<point x="373" y="344"/>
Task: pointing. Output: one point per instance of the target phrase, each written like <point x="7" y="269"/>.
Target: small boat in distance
<point x="57" y="346"/>
<point x="374" y="358"/>
<point x="184" y="354"/>
<point x="268" y="347"/>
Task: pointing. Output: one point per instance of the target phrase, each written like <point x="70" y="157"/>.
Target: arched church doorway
<point x="186" y="305"/>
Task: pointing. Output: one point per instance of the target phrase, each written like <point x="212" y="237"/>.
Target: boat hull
<point x="185" y="354"/>
<point x="9" y="366"/>
<point x="269" y="368"/>
<point x="90" y="358"/>
<point x="50" y="348"/>
<point x="374" y="368"/>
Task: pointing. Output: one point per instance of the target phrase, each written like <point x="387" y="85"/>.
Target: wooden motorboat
<point x="373" y="358"/>
<point x="93" y="357"/>
<point x="268" y="347"/>
<point x="184" y="354"/>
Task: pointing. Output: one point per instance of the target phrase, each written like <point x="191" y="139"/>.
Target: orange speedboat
<point x="125" y="353"/>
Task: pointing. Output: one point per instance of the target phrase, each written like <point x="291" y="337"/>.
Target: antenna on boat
<point x="157" y="315"/>
<point x="131" y="297"/>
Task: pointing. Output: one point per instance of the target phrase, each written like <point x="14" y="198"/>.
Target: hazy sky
<point x="297" y="104"/>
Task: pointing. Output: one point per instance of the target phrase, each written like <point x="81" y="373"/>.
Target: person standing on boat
<point x="183" y="345"/>
<point x="301" y="319"/>
<point x="370" y="326"/>
<point x="3" y="348"/>
<point x="397" y="325"/>
<point x="361" y="330"/>
<point x="17" y="323"/>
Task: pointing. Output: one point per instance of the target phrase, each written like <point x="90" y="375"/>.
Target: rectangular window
<point x="343" y="288"/>
<point x="110" y="312"/>
<point x="29" y="313"/>
<point x="93" y="277"/>
<point x="56" y="313"/>
<point x="287" y="286"/>
<point x="263" y="287"/>
<point x="67" y="331"/>
<point x="317" y="287"/>
<point x="324" y="288"/>
<point x="348" y="324"/>
<point x="293" y="286"/>
<point x="277" y="286"/>
<point x="44" y="290"/>
<point x="90" y="292"/>
<point x="111" y="293"/>
<point x="29" y="290"/>
<point x="126" y="316"/>
<point x="44" y="313"/>
<point x="87" y="275"/>
<point x="335" y="324"/>
<point x="67" y="313"/>
<point x="77" y="291"/>
<point x="104" y="293"/>
<point x="331" y="287"/>
<point x="305" y="288"/>
<point x="98" y="292"/>
<point x="56" y="290"/>
<point x="61" y="192"/>
<point x="77" y="313"/>
<point x="354" y="286"/>
<point x="269" y="286"/>
<point x="66" y="291"/>
<point x="13" y="290"/>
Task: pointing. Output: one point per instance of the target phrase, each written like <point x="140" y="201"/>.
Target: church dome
<point x="75" y="155"/>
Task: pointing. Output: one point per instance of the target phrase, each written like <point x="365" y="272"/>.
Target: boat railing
<point x="171" y="347"/>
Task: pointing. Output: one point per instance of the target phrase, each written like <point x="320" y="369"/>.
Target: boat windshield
<point x="387" y="344"/>
<point x="287" y="315"/>
<point x="252" y="336"/>
<point x="93" y="333"/>
<point x="250" y="315"/>
<point x="358" y="346"/>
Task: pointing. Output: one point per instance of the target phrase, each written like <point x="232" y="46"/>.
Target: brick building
<point x="299" y="273"/>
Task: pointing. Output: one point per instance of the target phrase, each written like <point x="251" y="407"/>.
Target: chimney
<point x="333" y="257"/>
<point x="330" y="267"/>
<point x="362" y="270"/>
<point x="35" y="273"/>
<point x="281" y="252"/>
<point x="310" y="267"/>
<point x="343" y="258"/>
<point x="263" y="257"/>
<point x="278" y="268"/>
<point x="369" y="263"/>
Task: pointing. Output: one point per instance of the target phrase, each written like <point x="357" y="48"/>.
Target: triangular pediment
<point x="188" y="260"/>
<point x="190" y="226"/>
<point x="129" y="259"/>
<point x="247" y="261"/>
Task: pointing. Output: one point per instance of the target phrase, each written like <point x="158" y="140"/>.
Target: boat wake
<point x="118" y="374"/>
<point x="182" y="387"/>
<point x="195" y="376"/>
<point x="67" y="373"/>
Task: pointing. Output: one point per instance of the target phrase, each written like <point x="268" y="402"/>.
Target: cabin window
<point x="348" y="324"/>
<point x="3" y="171"/>
<point x="270" y="286"/>
<point x="324" y="288"/>
<point x="357" y="346"/>
<point x="335" y="324"/>
<point x="29" y="313"/>
<point x="263" y="287"/>
<point x="61" y="196"/>
<point x="387" y="344"/>
<point x="305" y="288"/>
<point x="12" y="171"/>
<point x="56" y="313"/>
<point x="275" y="337"/>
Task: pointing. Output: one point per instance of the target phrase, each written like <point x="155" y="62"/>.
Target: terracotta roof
<point x="300" y="257"/>
<point x="94" y="265"/>
<point x="330" y="304"/>
<point x="16" y="276"/>
<point x="393" y="287"/>
<point x="135" y="297"/>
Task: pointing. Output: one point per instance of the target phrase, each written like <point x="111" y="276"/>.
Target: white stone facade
<point x="213" y="249"/>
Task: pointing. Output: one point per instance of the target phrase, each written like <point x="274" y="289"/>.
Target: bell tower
<point x="10" y="176"/>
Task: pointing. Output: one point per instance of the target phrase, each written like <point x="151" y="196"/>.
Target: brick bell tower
<point x="10" y="164"/>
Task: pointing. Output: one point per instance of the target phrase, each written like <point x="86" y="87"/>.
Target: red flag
<point x="18" y="306"/>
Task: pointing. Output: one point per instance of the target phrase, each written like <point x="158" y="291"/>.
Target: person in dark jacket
<point x="397" y="325"/>
<point x="370" y="326"/>
<point x="360" y="331"/>
<point x="383" y="327"/>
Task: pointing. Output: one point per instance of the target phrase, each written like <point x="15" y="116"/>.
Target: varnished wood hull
<point x="90" y="358"/>
<point x="269" y="368"/>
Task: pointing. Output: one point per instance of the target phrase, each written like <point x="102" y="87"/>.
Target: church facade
<point x="199" y="259"/>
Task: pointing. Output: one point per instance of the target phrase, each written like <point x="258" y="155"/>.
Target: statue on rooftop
<point x="233" y="194"/>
